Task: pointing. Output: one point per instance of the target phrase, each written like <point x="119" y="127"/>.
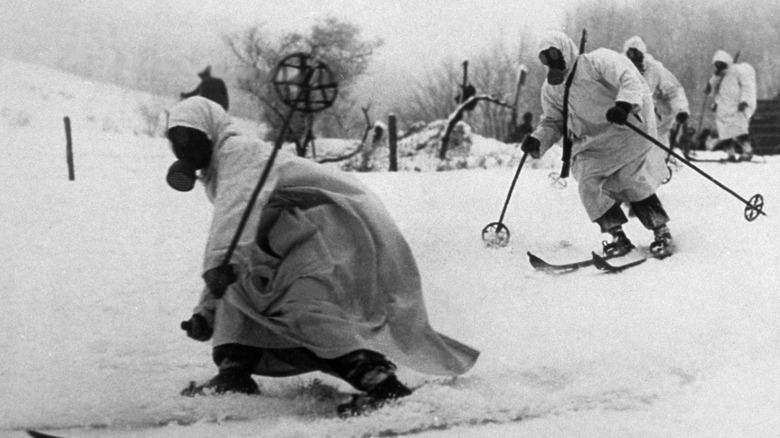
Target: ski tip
<point x="533" y="259"/>
<point x="536" y="262"/>
<point x="36" y="434"/>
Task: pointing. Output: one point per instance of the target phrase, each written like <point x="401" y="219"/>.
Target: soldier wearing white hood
<point x="733" y="86"/>
<point x="321" y="279"/>
<point x="669" y="98"/>
<point x="611" y="163"/>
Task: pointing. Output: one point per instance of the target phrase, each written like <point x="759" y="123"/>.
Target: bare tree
<point x="493" y="72"/>
<point x="335" y="42"/>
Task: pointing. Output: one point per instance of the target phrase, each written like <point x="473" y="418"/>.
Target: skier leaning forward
<point x="321" y="280"/>
<point x="611" y="163"/>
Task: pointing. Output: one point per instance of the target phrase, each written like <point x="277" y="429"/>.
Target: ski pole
<point x="496" y="233"/>
<point x="297" y="93"/>
<point x="754" y="206"/>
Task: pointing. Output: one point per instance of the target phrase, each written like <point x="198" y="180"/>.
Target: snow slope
<point x="100" y="271"/>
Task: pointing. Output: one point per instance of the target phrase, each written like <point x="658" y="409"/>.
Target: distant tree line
<point x="684" y="35"/>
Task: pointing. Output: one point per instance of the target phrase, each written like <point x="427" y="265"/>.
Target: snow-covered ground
<point x="98" y="273"/>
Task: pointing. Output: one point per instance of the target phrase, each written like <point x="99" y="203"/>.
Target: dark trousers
<point x="352" y="367"/>
<point x="649" y="211"/>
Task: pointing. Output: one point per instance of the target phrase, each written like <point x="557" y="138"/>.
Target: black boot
<point x="662" y="246"/>
<point x="373" y="373"/>
<point x="388" y="390"/>
<point x="236" y="363"/>
<point x="620" y="244"/>
<point x="224" y="382"/>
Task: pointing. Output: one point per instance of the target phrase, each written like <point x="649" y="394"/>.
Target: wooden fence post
<point x="69" y="150"/>
<point x="393" y="143"/>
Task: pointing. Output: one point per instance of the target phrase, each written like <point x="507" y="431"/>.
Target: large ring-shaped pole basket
<point x="754" y="208"/>
<point x="495" y="234"/>
<point x="304" y="83"/>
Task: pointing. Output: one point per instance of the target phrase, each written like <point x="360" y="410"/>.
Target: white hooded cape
<point x="321" y="263"/>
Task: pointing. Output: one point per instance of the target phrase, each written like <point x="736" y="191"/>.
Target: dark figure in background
<point x="211" y="88"/>
<point x="524" y="129"/>
<point x="518" y="132"/>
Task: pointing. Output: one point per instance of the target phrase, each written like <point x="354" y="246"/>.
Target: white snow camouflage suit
<point x="668" y="94"/>
<point x="321" y="264"/>
<point x="610" y="162"/>
<point x="738" y="84"/>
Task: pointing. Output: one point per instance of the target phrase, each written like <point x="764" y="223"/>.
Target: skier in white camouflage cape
<point x="321" y="279"/>
<point x="611" y="163"/>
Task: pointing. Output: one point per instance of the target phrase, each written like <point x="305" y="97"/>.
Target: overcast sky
<point x="415" y="31"/>
<point x="419" y="30"/>
<point x="417" y="34"/>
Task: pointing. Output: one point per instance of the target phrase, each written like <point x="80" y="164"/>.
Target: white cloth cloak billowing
<point x="610" y="162"/>
<point x="322" y="265"/>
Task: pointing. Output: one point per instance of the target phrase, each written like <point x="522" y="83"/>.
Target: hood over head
<point x="204" y="115"/>
<point x="209" y="118"/>
<point x="635" y="42"/>
<point x="723" y="57"/>
<point x="563" y="43"/>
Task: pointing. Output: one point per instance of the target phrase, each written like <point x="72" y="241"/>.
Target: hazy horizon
<point x="417" y="36"/>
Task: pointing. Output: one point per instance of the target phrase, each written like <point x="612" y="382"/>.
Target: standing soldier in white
<point x="668" y="94"/>
<point x="733" y="86"/>
<point x="611" y="163"/>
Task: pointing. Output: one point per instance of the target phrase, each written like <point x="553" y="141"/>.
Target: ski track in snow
<point x="100" y="271"/>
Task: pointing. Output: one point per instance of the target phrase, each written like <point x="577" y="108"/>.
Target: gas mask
<point x="637" y="58"/>
<point x="556" y="65"/>
<point x="720" y="67"/>
<point x="193" y="150"/>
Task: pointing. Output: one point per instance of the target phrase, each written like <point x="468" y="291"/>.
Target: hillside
<point x="98" y="273"/>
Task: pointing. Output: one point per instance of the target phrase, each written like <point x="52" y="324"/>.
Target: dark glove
<point x="531" y="146"/>
<point x="218" y="279"/>
<point x="682" y="117"/>
<point x="708" y="88"/>
<point x="714" y="107"/>
<point x="197" y="328"/>
<point x="618" y="114"/>
<point x="742" y="106"/>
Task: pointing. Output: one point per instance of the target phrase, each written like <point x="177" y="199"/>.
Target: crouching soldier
<point x="321" y="278"/>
